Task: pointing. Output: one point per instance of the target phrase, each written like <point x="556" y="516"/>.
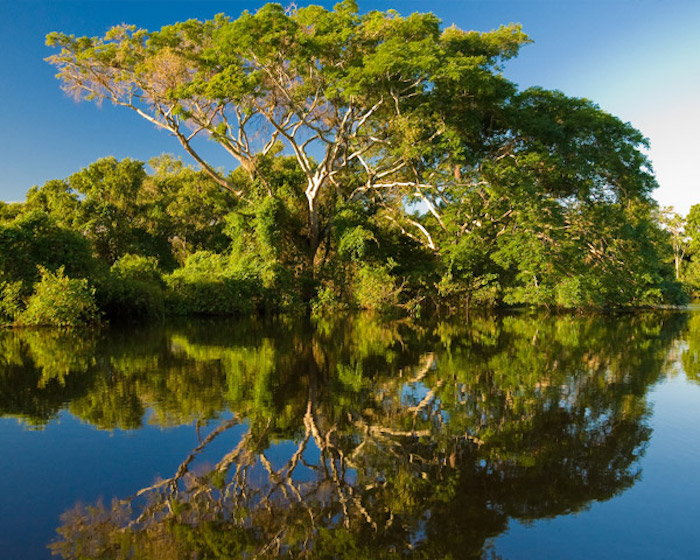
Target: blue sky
<point x="638" y="59"/>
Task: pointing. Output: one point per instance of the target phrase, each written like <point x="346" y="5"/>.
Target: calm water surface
<point x="520" y="436"/>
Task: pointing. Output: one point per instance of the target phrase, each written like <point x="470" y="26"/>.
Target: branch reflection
<point x="360" y="439"/>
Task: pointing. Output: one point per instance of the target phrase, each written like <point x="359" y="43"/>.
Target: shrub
<point x="60" y="301"/>
<point x="207" y="285"/>
<point x="327" y="302"/>
<point x="11" y="301"/>
<point x="137" y="267"/>
<point x="376" y="288"/>
<point x="134" y="287"/>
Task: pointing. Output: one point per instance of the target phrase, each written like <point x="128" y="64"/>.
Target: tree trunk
<point x="314" y="228"/>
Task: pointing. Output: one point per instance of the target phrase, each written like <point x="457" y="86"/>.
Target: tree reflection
<point x="690" y="355"/>
<point x="37" y="372"/>
<point x="363" y="439"/>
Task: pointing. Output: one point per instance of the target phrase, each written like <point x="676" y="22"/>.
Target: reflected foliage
<point x="358" y="438"/>
<point x="690" y="356"/>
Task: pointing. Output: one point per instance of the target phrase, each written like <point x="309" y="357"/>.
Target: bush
<point x="137" y="267"/>
<point x="60" y="301"/>
<point x="11" y="301"/>
<point x="207" y="285"/>
<point x="134" y="287"/>
<point x="376" y="289"/>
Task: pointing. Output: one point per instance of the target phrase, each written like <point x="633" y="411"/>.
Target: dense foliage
<point x="383" y="162"/>
<point x="59" y="301"/>
<point x="685" y="233"/>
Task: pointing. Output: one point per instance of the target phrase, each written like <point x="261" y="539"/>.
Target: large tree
<point x="411" y="129"/>
<point x="388" y="97"/>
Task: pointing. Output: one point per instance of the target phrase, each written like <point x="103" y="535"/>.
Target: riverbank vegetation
<point x="379" y="162"/>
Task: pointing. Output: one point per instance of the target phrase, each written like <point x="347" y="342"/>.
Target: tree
<point x="692" y="229"/>
<point x="691" y="269"/>
<point x="346" y="93"/>
<point x="675" y="225"/>
<point x="9" y="211"/>
<point x="517" y="196"/>
<point x="120" y="209"/>
<point x="185" y="207"/>
<point x="34" y="239"/>
<point x="102" y="203"/>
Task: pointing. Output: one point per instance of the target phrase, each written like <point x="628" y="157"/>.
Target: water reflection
<point x="360" y="439"/>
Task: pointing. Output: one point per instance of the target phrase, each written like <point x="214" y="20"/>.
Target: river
<point x="512" y="436"/>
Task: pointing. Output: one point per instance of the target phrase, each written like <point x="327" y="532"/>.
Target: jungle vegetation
<point x="378" y="162"/>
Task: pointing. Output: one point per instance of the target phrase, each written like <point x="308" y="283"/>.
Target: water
<point x="515" y="436"/>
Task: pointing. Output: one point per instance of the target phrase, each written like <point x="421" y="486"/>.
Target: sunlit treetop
<point x="383" y="114"/>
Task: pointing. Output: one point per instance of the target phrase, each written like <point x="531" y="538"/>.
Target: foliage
<point x="375" y="109"/>
<point x="468" y="278"/>
<point x="186" y="207"/>
<point x="138" y="267"/>
<point x="327" y="302"/>
<point x="208" y="284"/>
<point x="9" y="211"/>
<point x="31" y="242"/>
<point x="134" y="287"/>
<point x="60" y="301"/>
<point x="120" y="209"/>
<point x="376" y="289"/>
<point x="689" y="248"/>
<point x="98" y="201"/>
<point x="404" y="141"/>
<point x="34" y="239"/>
<point x="11" y="301"/>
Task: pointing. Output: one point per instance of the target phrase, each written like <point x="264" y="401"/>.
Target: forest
<point x="378" y="162"/>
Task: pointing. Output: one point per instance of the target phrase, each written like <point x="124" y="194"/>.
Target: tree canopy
<point x="372" y="146"/>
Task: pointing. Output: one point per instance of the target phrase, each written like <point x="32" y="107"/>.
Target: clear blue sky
<point x="638" y="59"/>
